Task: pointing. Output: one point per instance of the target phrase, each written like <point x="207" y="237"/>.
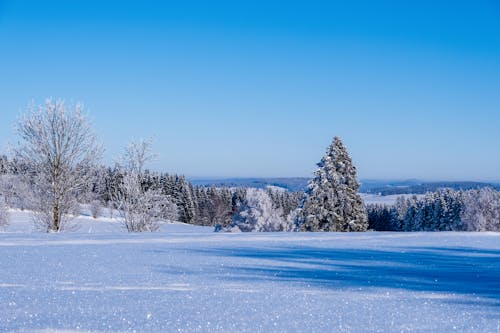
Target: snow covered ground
<point x="188" y="279"/>
<point x="22" y="222"/>
<point x="369" y="198"/>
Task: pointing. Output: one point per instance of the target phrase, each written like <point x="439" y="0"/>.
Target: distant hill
<point x="418" y="187"/>
<point x="292" y="184"/>
<point x="382" y="187"/>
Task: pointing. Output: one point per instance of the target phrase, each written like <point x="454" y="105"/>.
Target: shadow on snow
<point x="471" y="271"/>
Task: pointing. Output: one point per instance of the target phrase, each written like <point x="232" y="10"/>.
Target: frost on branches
<point x="58" y="150"/>
<point x="332" y="202"/>
<point x="257" y="214"/>
<point x="141" y="209"/>
<point x="4" y="214"/>
<point x="482" y="210"/>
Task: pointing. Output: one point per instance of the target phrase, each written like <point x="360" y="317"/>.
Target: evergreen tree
<point x="380" y="217"/>
<point x="185" y="203"/>
<point x="332" y="202"/>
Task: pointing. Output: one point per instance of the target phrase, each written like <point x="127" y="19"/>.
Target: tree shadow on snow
<point x="471" y="271"/>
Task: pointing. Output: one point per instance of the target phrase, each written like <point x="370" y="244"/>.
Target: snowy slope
<point x="22" y="222"/>
<point x="177" y="280"/>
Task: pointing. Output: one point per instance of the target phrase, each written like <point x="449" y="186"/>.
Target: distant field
<point x="291" y="184"/>
<point x="382" y="187"/>
<point x="384" y="199"/>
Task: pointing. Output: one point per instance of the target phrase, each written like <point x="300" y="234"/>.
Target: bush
<point x="95" y="208"/>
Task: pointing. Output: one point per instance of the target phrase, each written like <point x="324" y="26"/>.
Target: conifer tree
<point x="332" y="202"/>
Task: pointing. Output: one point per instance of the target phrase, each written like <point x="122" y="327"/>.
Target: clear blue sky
<point x="259" y="88"/>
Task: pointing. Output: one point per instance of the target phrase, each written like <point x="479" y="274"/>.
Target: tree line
<point x="153" y="197"/>
<point x="443" y="210"/>
<point x="56" y="167"/>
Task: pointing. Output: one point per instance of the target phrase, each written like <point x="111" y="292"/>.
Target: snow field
<point x="188" y="279"/>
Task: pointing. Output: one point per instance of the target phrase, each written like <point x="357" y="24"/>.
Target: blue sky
<point x="259" y="88"/>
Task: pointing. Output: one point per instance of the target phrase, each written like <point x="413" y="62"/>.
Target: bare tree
<point x="60" y="151"/>
<point x="136" y="155"/>
<point x="140" y="209"/>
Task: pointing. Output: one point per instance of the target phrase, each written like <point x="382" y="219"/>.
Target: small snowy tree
<point x="168" y="209"/>
<point x="59" y="150"/>
<point x="141" y="210"/>
<point x="95" y="208"/>
<point x="332" y="202"/>
<point x="256" y="213"/>
<point x="185" y="201"/>
<point x="4" y="214"/>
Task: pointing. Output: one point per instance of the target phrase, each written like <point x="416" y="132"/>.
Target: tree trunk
<point x="55" y="227"/>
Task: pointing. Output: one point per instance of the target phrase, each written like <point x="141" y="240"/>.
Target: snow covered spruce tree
<point x="59" y="151"/>
<point x="140" y="209"/>
<point x="332" y="202"/>
<point x="256" y="213"/>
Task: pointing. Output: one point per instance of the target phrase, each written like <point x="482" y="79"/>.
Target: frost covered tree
<point x="213" y="206"/>
<point x="380" y="217"/>
<point x="4" y="165"/>
<point x="482" y="210"/>
<point x="257" y="214"/>
<point x="59" y="150"/>
<point x="186" y="204"/>
<point x="435" y="211"/>
<point x="95" y="208"/>
<point x="141" y="209"/>
<point x="332" y="202"/>
<point x="285" y="201"/>
<point x="15" y="191"/>
<point x="4" y="214"/>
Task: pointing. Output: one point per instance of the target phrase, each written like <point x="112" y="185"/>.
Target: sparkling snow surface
<point x="189" y="279"/>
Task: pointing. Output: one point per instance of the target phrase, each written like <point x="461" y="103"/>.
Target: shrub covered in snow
<point x="141" y="209"/>
<point x="256" y="213"/>
<point x="4" y="214"/>
<point x="95" y="208"/>
<point x="482" y="210"/>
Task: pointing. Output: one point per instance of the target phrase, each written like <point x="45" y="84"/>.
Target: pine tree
<point x="187" y="208"/>
<point x="332" y="202"/>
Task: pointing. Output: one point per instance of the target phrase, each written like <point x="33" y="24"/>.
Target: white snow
<point x="188" y="279"/>
<point x="369" y="198"/>
<point x="23" y="223"/>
